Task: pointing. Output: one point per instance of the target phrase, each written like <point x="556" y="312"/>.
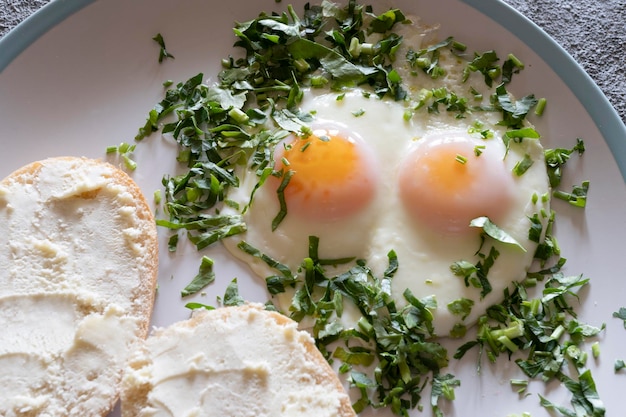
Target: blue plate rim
<point x="573" y="75"/>
<point x="41" y="21"/>
<point x="597" y="105"/>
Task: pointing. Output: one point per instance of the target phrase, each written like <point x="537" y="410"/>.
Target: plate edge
<point x="595" y="102"/>
<point x="605" y="116"/>
<point x="30" y="29"/>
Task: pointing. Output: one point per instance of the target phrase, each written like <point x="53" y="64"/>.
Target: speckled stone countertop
<point x="593" y="32"/>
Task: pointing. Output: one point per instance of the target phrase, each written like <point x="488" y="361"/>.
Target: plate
<point x="79" y="76"/>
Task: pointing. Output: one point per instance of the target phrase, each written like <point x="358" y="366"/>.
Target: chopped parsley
<point x="493" y="231"/>
<point x="358" y="113"/>
<point x="388" y="355"/>
<point x="395" y="341"/>
<point x="578" y="196"/>
<point x="556" y="158"/>
<point x="461" y="307"/>
<point x="124" y="151"/>
<point x="443" y="387"/>
<point x="542" y="322"/>
<point x="522" y="166"/>
<point x="621" y="314"/>
<point x="205" y="277"/>
<point x="478" y="275"/>
<point x="163" y="53"/>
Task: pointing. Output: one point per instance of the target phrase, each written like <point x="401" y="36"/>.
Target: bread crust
<point x="143" y="296"/>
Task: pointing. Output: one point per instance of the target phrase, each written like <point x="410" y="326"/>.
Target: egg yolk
<point x="451" y="178"/>
<point x="332" y="174"/>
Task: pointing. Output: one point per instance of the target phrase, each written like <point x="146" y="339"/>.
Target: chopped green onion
<point x="520" y="384"/>
<point x="367" y="49"/>
<point x="522" y="166"/>
<point x="515" y="61"/>
<point x="355" y="48"/>
<point x="595" y="349"/>
<point x="239" y="115"/>
<point x="459" y="46"/>
<point x="129" y="163"/>
<point x="578" y="196"/>
<point x="541" y="106"/>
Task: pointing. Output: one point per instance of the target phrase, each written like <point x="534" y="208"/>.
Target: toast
<point x="78" y="268"/>
<point x="235" y="362"/>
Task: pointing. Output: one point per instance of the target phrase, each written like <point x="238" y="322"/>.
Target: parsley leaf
<point x="204" y="277"/>
<point x="231" y="295"/>
<point x="443" y="386"/>
<point x="513" y="112"/>
<point x="578" y="196"/>
<point x="486" y="64"/>
<point x="621" y="314"/>
<point x="556" y="158"/>
<point x="493" y="231"/>
<point x="163" y="53"/>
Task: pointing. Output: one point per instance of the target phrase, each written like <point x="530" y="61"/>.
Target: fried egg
<point x="367" y="181"/>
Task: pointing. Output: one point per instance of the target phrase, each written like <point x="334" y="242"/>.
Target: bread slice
<point x="78" y="267"/>
<point x="232" y="362"/>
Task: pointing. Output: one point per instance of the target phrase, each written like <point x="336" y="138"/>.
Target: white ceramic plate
<point x="79" y="76"/>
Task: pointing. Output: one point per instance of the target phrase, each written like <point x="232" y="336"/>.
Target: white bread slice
<point x="232" y="362"/>
<point x="78" y="267"/>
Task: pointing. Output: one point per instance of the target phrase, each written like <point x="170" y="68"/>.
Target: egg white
<point x="424" y="255"/>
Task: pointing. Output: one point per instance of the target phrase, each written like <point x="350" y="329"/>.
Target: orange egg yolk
<point x="332" y="175"/>
<point x="444" y="184"/>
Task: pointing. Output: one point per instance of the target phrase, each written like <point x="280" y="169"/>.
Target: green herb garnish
<point x="443" y="387"/>
<point x="556" y="158"/>
<point x="163" y="53"/>
<point x="461" y="307"/>
<point x="578" y="196"/>
<point x="124" y="150"/>
<point x="585" y="401"/>
<point x="205" y="277"/>
<point x="236" y="123"/>
<point x="621" y="314"/>
<point x="493" y="231"/>
<point x="522" y="166"/>
<point x="383" y="332"/>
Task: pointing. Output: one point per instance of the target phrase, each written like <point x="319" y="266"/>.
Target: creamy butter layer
<point x="75" y="271"/>
<point x="232" y="362"/>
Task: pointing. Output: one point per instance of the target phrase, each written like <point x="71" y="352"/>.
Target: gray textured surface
<point x="592" y="31"/>
<point x="12" y="12"/>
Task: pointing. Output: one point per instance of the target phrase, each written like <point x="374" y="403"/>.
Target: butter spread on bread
<point x="232" y="361"/>
<point x="78" y="266"/>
